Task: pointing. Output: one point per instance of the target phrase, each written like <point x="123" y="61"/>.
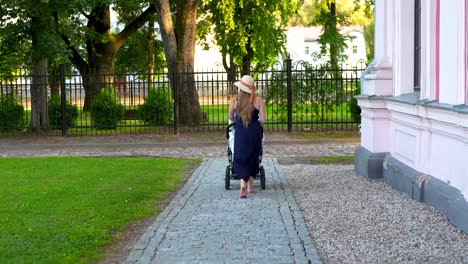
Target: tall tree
<point x="27" y="39"/>
<point x="39" y="32"/>
<point x="332" y="15"/>
<point x="179" y="49"/>
<point x="332" y="43"/>
<point x="248" y="32"/>
<point x="96" y="65"/>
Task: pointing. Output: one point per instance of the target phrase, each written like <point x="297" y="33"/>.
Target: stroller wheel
<point x="262" y="177"/>
<point x="227" y="177"/>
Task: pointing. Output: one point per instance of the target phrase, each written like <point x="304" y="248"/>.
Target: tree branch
<point x="135" y="25"/>
<point x="74" y="56"/>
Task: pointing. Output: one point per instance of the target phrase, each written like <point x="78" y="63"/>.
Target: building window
<point x="417" y="45"/>
<point x="354" y="49"/>
<point x="306" y="51"/>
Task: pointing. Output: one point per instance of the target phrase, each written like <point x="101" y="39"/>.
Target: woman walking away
<point x="248" y="111"/>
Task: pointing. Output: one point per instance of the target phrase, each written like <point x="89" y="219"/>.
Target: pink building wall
<point x="426" y="130"/>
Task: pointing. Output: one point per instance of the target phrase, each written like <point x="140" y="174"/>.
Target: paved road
<point x="207" y="224"/>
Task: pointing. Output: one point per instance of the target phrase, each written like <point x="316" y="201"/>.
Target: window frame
<point x="417" y="45"/>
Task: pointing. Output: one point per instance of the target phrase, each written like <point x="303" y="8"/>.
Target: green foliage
<point x="366" y="5"/>
<point x="134" y="55"/>
<point x="247" y="28"/>
<point x="106" y="110"/>
<point x="369" y="39"/>
<point x="332" y="43"/>
<point x="66" y="209"/>
<point x="11" y="113"/>
<point x="353" y="106"/>
<point x="346" y="12"/>
<point x="158" y="108"/>
<point x="315" y="90"/>
<point x="55" y="112"/>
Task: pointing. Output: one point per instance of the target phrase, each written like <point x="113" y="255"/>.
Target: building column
<point x="376" y="83"/>
<point x="378" y="80"/>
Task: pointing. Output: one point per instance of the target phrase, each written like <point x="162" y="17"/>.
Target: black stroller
<point x="230" y="170"/>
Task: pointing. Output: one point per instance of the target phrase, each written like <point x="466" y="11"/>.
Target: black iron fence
<point x="298" y="97"/>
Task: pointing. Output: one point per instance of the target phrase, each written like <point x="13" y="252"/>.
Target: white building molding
<point x="452" y="51"/>
<point x="403" y="42"/>
<point x="379" y="80"/>
<point x="428" y="50"/>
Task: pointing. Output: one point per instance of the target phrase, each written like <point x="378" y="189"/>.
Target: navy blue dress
<point x="247" y="147"/>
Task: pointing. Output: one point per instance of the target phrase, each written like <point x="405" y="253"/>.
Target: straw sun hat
<point x="247" y="85"/>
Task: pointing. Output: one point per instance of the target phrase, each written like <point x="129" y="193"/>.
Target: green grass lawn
<point x="218" y="114"/>
<point x="303" y="119"/>
<point x="333" y="160"/>
<point x="65" y="209"/>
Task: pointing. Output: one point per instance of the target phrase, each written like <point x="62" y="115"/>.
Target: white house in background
<point x="414" y="102"/>
<point x="302" y="43"/>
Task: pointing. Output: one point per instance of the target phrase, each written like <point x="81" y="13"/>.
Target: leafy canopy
<point x="237" y="26"/>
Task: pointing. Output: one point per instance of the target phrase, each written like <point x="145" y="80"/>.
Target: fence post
<point x="175" y="79"/>
<point x="289" y="91"/>
<point x="63" y="100"/>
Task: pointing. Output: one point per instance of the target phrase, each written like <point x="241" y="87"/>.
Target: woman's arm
<point x="232" y="107"/>
<point x="260" y="105"/>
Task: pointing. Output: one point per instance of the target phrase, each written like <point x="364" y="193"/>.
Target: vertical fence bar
<point x="289" y="87"/>
<point x="176" y="98"/>
<point x="63" y="99"/>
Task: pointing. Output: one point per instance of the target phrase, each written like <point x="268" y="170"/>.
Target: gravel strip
<point x="353" y="219"/>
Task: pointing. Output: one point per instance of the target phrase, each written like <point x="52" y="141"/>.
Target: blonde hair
<point x="244" y="107"/>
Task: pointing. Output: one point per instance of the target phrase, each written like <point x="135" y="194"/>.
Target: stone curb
<point x="168" y="144"/>
<point x="155" y="233"/>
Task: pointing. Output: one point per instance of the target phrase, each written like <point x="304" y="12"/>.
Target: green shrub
<point x="11" y="113"/>
<point x="55" y="112"/>
<point x="354" y="107"/>
<point x="106" y="110"/>
<point x="315" y="91"/>
<point x="158" y="108"/>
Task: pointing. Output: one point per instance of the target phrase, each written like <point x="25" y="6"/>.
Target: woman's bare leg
<point x="243" y="192"/>
<point x="250" y="185"/>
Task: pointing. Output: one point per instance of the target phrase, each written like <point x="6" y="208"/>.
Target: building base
<point x="368" y="164"/>
<point x="424" y="188"/>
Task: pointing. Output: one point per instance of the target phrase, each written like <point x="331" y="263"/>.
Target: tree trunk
<point x="101" y="72"/>
<point x="101" y="55"/>
<point x="180" y="50"/>
<point x="39" y="113"/>
<point x="334" y="49"/>
<point x="186" y="22"/>
<point x="247" y="58"/>
<point x="169" y="39"/>
<point x="231" y="71"/>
